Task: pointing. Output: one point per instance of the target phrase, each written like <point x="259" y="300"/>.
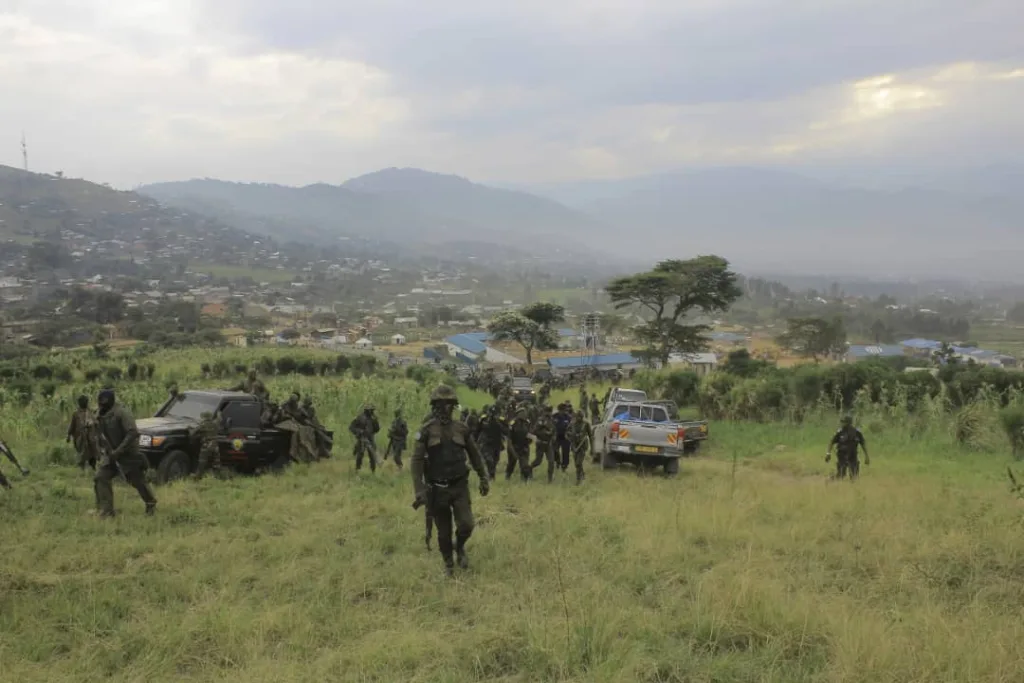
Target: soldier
<point x="119" y="444"/>
<point x="364" y="428"/>
<point x="581" y="436"/>
<point x="209" y="444"/>
<point x="398" y="433"/>
<point x="492" y="439"/>
<point x="847" y="440"/>
<point x="562" y="419"/>
<point x="252" y="385"/>
<point x="583" y="398"/>
<point x="83" y="431"/>
<point x="544" y="430"/>
<point x="595" y="409"/>
<point x="323" y="441"/>
<point x="473" y="422"/>
<point x="441" y="478"/>
<point x="519" y="438"/>
<point x="6" y="450"/>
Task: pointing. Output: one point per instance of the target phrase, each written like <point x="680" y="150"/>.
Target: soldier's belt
<point x="445" y="483"/>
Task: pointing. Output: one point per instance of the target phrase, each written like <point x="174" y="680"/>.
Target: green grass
<point x="271" y="275"/>
<point x="751" y="566"/>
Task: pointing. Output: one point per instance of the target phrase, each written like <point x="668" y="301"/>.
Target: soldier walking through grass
<point x="563" y="448"/>
<point x="398" y="433"/>
<point x="208" y="434"/>
<point x="82" y="431"/>
<point x="595" y="409"/>
<point x="519" y="438"/>
<point x="440" y="476"/>
<point x="544" y="430"/>
<point x="847" y="440"/>
<point x="119" y="444"/>
<point x="364" y="428"/>
<point x="581" y="437"/>
<point x="492" y="439"/>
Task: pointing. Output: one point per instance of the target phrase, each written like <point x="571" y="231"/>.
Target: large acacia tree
<point x="668" y="294"/>
<point x="530" y="328"/>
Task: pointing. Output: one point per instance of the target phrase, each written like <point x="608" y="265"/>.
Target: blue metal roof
<point x="591" y="361"/>
<point x="468" y="342"/>
<point x="875" y="351"/>
<point x="922" y="344"/>
<point x="566" y="332"/>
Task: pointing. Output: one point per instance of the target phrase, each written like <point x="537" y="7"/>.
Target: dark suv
<point x="246" y="444"/>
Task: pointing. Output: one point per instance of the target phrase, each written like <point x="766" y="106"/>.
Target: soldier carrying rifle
<point x="364" y="428"/>
<point x="6" y="450"/>
<point x="398" y="435"/>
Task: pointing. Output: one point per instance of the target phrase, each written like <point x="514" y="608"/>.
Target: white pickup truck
<point x="644" y="435"/>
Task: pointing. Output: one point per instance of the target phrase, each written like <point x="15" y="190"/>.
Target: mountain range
<point x="966" y="224"/>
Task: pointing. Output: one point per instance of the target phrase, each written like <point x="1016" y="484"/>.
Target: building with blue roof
<point x="613" y="361"/>
<point x="859" y="352"/>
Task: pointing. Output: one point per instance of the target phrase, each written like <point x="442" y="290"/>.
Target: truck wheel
<point x="691" y="447"/>
<point x="279" y="463"/>
<point x="174" y="466"/>
<point x="609" y="461"/>
<point x="671" y="467"/>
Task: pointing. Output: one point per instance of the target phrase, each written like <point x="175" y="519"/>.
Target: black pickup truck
<point x="246" y="445"/>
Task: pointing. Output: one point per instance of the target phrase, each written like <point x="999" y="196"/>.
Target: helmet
<point x="847" y="420"/>
<point x="369" y="408"/>
<point x="443" y="393"/>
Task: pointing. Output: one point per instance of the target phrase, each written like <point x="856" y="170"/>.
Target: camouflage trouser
<point x="208" y="454"/>
<point x="446" y="504"/>
<point x="492" y="456"/>
<point x="541" y="451"/>
<point x="847" y="464"/>
<point x="88" y="451"/>
<point x="396" y="451"/>
<point x="103" y="480"/>
<point x="364" y="446"/>
<point x="579" y="455"/>
<point x="521" y="458"/>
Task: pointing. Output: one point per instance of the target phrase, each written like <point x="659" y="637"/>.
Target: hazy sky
<point x="130" y="91"/>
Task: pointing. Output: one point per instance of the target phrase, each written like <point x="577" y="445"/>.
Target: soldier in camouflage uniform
<point x="252" y="385"/>
<point x="119" y="444"/>
<point x="595" y="409"/>
<point x="322" y="440"/>
<point x="583" y="398"/>
<point x="82" y="431"/>
<point x="9" y="454"/>
<point x="519" y="438"/>
<point x="846" y="441"/>
<point x="441" y="477"/>
<point x="544" y="430"/>
<point x="209" y="444"/>
<point x="292" y="418"/>
<point x="581" y="438"/>
<point x="364" y="428"/>
<point x="398" y="432"/>
<point x="492" y="439"/>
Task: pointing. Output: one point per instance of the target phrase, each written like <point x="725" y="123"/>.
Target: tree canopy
<point x="669" y="293"/>
<point x="515" y="327"/>
<point x="814" y="337"/>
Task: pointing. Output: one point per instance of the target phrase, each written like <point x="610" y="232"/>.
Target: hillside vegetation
<point x="750" y="566"/>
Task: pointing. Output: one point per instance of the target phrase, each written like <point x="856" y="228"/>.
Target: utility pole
<point x="24" y="152"/>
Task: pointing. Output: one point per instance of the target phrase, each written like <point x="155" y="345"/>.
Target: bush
<point x="286" y="365"/>
<point x="266" y="365"/>
<point x="113" y="374"/>
<point x="93" y="375"/>
<point x="64" y="375"/>
<point x="42" y="372"/>
<point x="1012" y="420"/>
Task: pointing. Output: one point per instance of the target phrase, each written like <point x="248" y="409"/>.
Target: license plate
<point x="646" y="449"/>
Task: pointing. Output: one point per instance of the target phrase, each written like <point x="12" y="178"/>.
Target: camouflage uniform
<point x="292" y="418"/>
<point x="492" y="439"/>
<point x="544" y="430"/>
<point x="209" y="443"/>
<point x="519" y="437"/>
<point x="83" y="431"/>
<point x="581" y="437"/>
<point x="119" y="441"/>
<point x="398" y="432"/>
<point x="583" y="399"/>
<point x="847" y="440"/>
<point x="595" y="409"/>
<point x="441" y="477"/>
<point x="253" y="385"/>
<point x="364" y="428"/>
<point x="563" y="448"/>
<point x="320" y="433"/>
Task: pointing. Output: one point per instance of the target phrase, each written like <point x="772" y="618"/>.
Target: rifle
<point x="6" y="450"/>
<point x="387" y="451"/>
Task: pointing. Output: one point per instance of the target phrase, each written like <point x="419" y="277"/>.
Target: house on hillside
<point x="472" y="347"/>
<point x="700" y="363"/>
<point x="858" y="352"/>
<point x="235" y="337"/>
<point x="407" y="322"/>
<point x="605" y="363"/>
<point x="398" y="340"/>
<point x="364" y="344"/>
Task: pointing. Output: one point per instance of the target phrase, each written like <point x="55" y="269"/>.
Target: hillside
<point x="404" y="205"/>
<point x="776" y="221"/>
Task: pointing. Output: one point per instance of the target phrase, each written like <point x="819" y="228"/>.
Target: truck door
<point x="241" y="444"/>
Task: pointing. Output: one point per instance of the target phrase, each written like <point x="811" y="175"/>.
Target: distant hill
<point x="405" y="205"/>
<point x="781" y="222"/>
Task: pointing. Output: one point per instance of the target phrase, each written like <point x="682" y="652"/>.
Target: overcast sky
<point x="133" y="91"/>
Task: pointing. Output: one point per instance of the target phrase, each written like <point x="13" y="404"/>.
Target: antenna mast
<point x="24" y="152"/>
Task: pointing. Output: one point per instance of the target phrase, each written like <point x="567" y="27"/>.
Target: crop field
<point x="752" y="565"/>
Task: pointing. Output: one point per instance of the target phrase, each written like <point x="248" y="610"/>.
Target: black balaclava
<point x="443" y="410"/>
<point x="106" y="400"/>
<point x="83" y="402"/>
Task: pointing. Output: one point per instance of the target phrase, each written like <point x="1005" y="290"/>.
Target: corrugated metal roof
<point x="922" y="344"/>
<point x="613" y="359"/>
<point x="875" y="351"/>
<point x="468" y="342"/>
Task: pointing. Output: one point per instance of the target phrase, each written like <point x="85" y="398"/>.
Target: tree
<point x="814" y="337"/>
<point x="670" y="292"/>
<point x="544" y="314"/>
<point x="531" y="335"/>
<point x="881" y="333"/>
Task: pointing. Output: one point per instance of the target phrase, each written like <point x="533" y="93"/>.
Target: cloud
<point x="310" y="90"/>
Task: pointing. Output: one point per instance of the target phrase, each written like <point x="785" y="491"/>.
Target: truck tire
<point x="174" y="466"/>
<point x="609" y="461"/>
<point x="671" y="467"/>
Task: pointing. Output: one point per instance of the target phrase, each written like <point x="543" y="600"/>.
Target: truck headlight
<point x="145" y="440"/>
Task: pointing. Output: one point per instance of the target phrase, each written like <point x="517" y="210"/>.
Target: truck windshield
<point x="522" y="383"/>
<point x="641" y="413"/>
<point x="191" y="406"/>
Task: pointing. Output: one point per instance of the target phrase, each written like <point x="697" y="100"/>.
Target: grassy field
<point x="751" y="566"/>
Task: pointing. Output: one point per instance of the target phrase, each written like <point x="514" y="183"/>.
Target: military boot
<point x="449" y="567"/>
<point x="579" y="478"/>
<point x="460" y="553"/>
<point x="151" y="508"/>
